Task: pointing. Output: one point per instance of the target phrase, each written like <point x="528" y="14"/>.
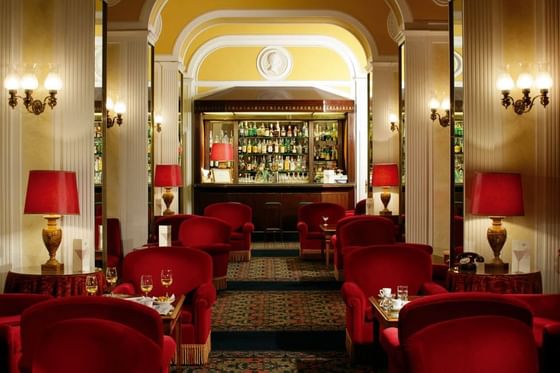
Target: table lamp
<point x="497" y="195"/>
<point x="385" y="175"/>
<point x="168" y="176"/>
<point x="221" y="153"/>
<point x="52" y="194"/>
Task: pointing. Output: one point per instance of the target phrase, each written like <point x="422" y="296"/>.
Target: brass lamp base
<point x="496" y="268"/>
<point x="385" y="198"/>
<point x="52" y="235"/>
<point x="167" y="197"/>
<point x="496" y="236"/>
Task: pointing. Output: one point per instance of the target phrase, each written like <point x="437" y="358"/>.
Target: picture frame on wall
<point x="222" y="175"/>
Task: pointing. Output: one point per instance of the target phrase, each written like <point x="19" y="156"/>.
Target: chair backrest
<point x="89" y="345"/>
<point x="378" y="266"/>
<point x="191" y="268"/>
<point x="482" y="344"/>
<point x="360" y="208"/>
<point x="204" y="230"/>
<point x="114" y="236"/>
<point x="436" y="308"/>
<point x="312" y="214"/>
<point x="14" y="304"/>
<point x="36" y="319"/>
<point x="234" y="213"/>
<point x="174" y="221"/>
<point x="365" y="230"/>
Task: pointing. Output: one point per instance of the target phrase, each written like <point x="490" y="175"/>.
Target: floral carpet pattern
<point x="279" y="269"/>
<point x="278" y="310"/>
<point x="278" y="362"/>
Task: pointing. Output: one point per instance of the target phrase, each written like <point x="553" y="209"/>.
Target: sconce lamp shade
<point x="221" y="152"/>
<point x="385" y="174"/>
<point x="168" y="175"/>
<point x="497" y="194"/>
<point x="52" y="193"/>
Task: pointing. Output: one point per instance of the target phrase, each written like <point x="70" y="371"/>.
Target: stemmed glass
<point x="519" y="254"/>
<point x="166" y="280"/>
<point x="146" y="284"/>
<point x="91" y="284"/>
<point x="111" y="277"/>
<point x="325" y="220"/>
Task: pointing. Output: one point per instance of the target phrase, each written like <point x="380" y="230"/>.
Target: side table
<point x="31" y="280"/>
<point x="508" y="283"/>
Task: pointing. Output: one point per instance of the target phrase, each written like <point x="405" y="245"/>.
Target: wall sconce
<point x="523" y="105"/>
<point x="158" y="122"/>
<point x="393" y="119"/>
<point x="120" y="109"/>
<point x="29" y="83"/>
<point x="434" y="106"/>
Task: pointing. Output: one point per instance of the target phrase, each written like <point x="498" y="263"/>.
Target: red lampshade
<point x="168" y="175"/>
<point x="385" y="174"/>
<point x="52" y="193"/>
<point x="497" y="194"/>
<point x="221" y="152"/>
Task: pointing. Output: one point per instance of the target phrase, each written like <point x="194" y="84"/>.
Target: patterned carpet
<point x="279" y="269"/>
<point x="277" y="362"/>
<point x="277" y="310"/>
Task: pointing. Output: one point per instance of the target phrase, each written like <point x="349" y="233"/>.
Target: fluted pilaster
<point x="73" y="117"/>
<point x="361" y="143"/>
<point x="11" y="188"/>
<point x="188" y="129"/>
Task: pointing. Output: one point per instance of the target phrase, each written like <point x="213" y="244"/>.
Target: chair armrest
<point x="167" y="352"/>
<point x="205" y="296"/>
<point x="302" y="228"/>
<point x="431" y="288"/>
<point x="356" y="306"/>
<point x="390" y="339"/>
<point x="124" y="288"/>
<point x="248" y="228"/>
<point x="553" y="329"/>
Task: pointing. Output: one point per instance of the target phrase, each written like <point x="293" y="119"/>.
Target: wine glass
<point x="111" y="277"/>
<point x="519" y="254"/>
<point x="146" y="284"/>
<point x="325" y="220"/>
<point x="166" y="280"/>
<point x="91" y="284"/>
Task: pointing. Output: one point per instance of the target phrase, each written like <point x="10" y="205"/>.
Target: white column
<point x="188" y="146"/>
<point x="74" y="115"/>
<point x="548" y="155"/>
<point x="385" y="144"/>
<point x="482" y="128"/>
<point x="133" y="137"/>
<point x="166" y="145"/>
<point x="419" y="167"/>
<point x="11" y="188"/>
<point x="361" y="125"/>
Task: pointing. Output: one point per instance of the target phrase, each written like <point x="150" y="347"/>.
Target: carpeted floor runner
<point x="279" y="269"/>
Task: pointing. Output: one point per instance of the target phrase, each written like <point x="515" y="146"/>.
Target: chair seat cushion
<point x="539" y="323"/>
<point x="186" y="314"/>
<point x="236" y="236"/>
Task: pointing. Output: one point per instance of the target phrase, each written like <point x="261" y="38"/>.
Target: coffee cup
<point x="385" y="292"/>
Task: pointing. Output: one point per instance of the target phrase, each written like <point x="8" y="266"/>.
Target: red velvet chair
<point x="212" y="236"/>
<point x="114" y="241"/>
<point x="546" y="327"/>
<point x="192" y="276"/>
<point x="93" y="346"/>
<point x="240" y="217"/>
<point x="371" y="268"/>
<point x="311" y="241"/>
<point x="481" y="344"/>
<point x="421" y="313"/>
<point x="174" y="221"/>
<point x="11" y="307"/>
<point x="36" y="321"/>
<point x="359" y="231"/>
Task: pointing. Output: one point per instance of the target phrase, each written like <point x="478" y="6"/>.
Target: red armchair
<point x="93" y="346"/>
<point x="311" y="241"/>
<point x="192" y="276"/>
<point x="212" y="236"/>
<point x="423" y="313"/>
<point x="489" y="344"/>
<point x="371" y="268"/>
<point x="546" y="327"/>
<point x="11" y="307"/>
<point x="174" y="221"/>
<point x="36" y="321"/>
<point x="359" y="231"/>
<point x="240" y="217"/>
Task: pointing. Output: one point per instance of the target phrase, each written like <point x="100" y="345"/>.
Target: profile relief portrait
<point x="274" y="63"/>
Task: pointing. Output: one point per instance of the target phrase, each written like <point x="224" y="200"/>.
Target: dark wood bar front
<point x="290" y="197"/>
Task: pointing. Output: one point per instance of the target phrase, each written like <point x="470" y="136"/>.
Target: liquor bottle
<point x="277" y="130"/>
<point x="296" y="131"/>
<point x="292" y="164"/>
<point x="283" y="131"/>
<point x="270" y="147"/>
<point x="286" y="163"/>
<point x="242" y="129"/>
<point x="289" y="133"/>
<point x="240" y="146"/>
<point x="457" y="148"/>
<point x="255" y="147"/>
<point x="244" y="147"/>
<point x="305" y="130"/>
<point x="299" y="148"/>
<point x="276" y="147"/>
<point x="266" y="132"/>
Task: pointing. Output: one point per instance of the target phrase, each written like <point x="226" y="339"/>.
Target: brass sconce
<point x="29" y="83"/>
<point x="524" y="105"/>
<point x="393" y="119"/>
<point x="158" y="122"/>
<point x="434" y="106"/>
<point x="120" y="109"/>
